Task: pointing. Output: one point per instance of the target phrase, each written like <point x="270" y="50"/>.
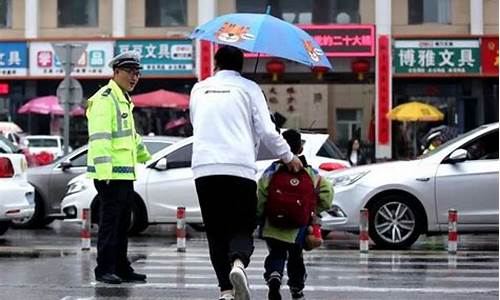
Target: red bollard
<point x="181" y="229"/>
<point x="452" y="231"/>
<point x="85" y="231"/>
<point x="363" y="231"/>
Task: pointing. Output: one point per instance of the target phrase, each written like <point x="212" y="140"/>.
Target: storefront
<point x="338" y="102"/>
<point x="448" y="74"/>
<point x="168" y="64"/>
<point x="13" y="66"/>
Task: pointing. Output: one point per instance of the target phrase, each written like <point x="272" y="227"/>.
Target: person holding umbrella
<point x="230" y="118"/>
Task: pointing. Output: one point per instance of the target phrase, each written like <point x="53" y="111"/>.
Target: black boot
<point x="274" y="284"/>
<point x="109" y="278"/>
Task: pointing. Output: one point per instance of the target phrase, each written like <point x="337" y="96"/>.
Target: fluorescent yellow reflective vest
<point x="114" y="146"/>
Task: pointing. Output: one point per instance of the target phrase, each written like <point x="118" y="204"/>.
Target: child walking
<point x="284" y="241"/>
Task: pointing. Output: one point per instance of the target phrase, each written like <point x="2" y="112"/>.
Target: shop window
<point x="5" y="13"/>
<point x="429" y="11"/>
<point x="305" y="11"/>
<point x="83" y="13"/>
<point x="349" y="123"/>
<point x="169" y="13"/>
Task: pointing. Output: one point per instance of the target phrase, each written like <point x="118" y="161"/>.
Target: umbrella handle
<point x="256" y="63"/>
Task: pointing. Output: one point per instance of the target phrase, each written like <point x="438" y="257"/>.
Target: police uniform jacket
<point x="114" y="146"/>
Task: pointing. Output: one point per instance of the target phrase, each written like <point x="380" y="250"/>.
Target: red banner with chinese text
<point x="383" y="93"/>
<point x="205" y="66"/>
<point x="489" y="55"/>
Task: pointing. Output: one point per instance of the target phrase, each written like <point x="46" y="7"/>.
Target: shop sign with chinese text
<point x="341" y="40"/>
<point x="13" y="59"/>
<point x="93" y="62"/>
<point x="344" y="40"/>
<point x="489" y="55"/>
<point x="161" y="57"/>
<point x="436" y="56"/>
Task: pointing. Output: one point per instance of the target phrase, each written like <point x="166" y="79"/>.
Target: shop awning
<point x="161" y="98"/>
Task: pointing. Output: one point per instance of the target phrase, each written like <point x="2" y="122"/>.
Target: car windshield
<point x="6" y="146"/>
<point x="444" y="145"/>
<point x="155" y="146"/>
<point x="36" y="143"/>
<point x="330" y="150"/>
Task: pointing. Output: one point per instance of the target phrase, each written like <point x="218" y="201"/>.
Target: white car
<point x="17" y="200"/>
<point x="53" y="144"/>
<point x="166" y="182"/>
<point x="409" y="198"/>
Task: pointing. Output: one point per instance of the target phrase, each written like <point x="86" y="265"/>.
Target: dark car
<point x="50" y="181"/>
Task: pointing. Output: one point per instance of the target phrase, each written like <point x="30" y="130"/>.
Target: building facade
<point x="369" y="43"/>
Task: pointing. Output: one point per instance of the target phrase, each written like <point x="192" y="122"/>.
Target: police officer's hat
<point x="128" y="59"/>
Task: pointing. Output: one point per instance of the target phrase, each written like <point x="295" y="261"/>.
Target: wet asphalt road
<point x="48" y="264"/>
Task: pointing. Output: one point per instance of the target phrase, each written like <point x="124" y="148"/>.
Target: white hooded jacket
<point x="230" y="118"/>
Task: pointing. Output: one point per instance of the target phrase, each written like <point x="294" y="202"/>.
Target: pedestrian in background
<point x="286" y="244"/>
<point x="230" y="118"/>
<point x="355" y="155"/>
<point x="114" y="150"/>
<point x="433" y="141"/>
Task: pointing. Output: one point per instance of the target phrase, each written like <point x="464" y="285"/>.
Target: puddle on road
<point x="36" y="253"/>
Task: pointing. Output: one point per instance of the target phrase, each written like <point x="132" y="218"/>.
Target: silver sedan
<point x="408" y="198"/>
<point x="51" y="181"/>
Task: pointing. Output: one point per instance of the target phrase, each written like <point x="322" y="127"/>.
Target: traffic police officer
<point x="114" y="150"/>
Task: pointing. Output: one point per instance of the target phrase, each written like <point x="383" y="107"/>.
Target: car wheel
<point x="200" y="227"/>
<point x="138" y="217"/>
<point x="47" y="221"/>
<point x="395" y="222"/>
<point x="94" y="211"/>
<point x="4" y="226"/>
<point x="36" y="220"/>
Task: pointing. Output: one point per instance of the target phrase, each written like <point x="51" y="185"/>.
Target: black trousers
<point x="228" y="207"/>
<point x="115" y="200"/>
<point x="281" y="252"/>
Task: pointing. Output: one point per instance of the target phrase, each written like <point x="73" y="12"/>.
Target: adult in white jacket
<point x="230" y="118"/>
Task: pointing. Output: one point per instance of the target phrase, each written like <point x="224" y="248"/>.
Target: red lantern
<point x="319" y="71"/>
<point x="360" y="67"/>
<point x="275" y="67"/>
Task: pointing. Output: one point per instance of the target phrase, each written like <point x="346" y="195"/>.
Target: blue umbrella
<point x="263" y="33"/>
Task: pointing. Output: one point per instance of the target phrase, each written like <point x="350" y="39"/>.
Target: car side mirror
<point x="457" y="156"/>
<point x="161" y="165"/>
<point x="65" y="165"/>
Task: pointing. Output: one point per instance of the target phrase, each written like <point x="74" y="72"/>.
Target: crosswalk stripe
<point x="333" y="255"/>
<point x="326" y="277"/>
<point x="464" y="273"/>
<point x="344" y="288"/>
<point x="488" y="265"/>
<point x="327" y="269"/>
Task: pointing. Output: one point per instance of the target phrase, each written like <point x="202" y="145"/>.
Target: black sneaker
<point x="274" y="284"/>
<point x="297" y="294"/>
<point x="133" y="277"/>
<point x="109" y="278"/>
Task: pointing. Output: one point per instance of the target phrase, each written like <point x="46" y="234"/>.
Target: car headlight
<point x="348" y="179"/>
<point x="75" y="187"/>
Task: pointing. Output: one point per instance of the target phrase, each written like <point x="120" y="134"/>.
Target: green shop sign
<point x="161" y="57"/>
<point x="436" y="56"/>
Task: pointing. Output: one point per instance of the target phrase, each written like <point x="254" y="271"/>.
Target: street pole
<point x="67" y="71"/>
